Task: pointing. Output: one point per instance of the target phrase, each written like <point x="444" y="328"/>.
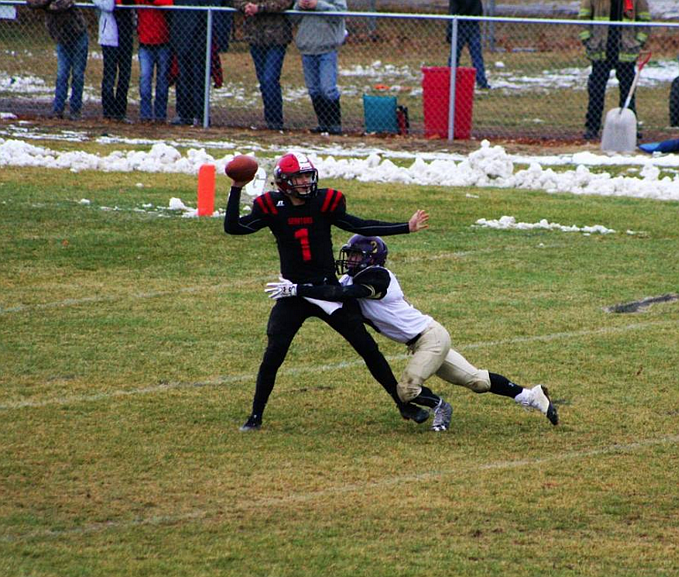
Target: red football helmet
<point x="295" y="175"/>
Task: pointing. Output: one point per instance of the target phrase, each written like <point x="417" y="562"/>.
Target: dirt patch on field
<point x="640" y="305"/>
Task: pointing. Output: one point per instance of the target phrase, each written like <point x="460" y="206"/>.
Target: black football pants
<point x="285" y="320"/>
<point x="596" y="89"/>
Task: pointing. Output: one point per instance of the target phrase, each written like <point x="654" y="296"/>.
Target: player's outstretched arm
<point x="419" y="221"/>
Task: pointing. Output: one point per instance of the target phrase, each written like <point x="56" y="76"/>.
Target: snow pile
<point x="489" y="166"/>
<point x="161" y="158"/>
<point x="509" y="223"/>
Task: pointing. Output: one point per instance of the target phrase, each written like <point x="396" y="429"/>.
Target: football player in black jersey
<point x="362" y="262"/>
<point x="300" y="215"/>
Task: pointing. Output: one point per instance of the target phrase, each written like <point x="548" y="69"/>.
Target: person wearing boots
<point x="611" y="47"/>
<point x="318" y="39"/>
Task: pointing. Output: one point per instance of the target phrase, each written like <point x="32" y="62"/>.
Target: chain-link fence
<point x="392" y="77"/>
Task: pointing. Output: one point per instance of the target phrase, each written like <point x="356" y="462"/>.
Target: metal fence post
<point x="208" y="66"/>
<point x="490" y="28"/>
<point x="453" y="74"/>
<point x="372" y="23"/>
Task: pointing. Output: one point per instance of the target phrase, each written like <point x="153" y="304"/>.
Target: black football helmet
<point x="294" y="165"/>
<point x="360" y="253"/>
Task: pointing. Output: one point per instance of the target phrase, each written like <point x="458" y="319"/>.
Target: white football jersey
<point x="393" y="315"/>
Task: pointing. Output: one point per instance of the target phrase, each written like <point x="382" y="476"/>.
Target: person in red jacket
<point x="155" y="55"/>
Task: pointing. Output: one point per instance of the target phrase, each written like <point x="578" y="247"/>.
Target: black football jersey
<point x="303" y="233"/>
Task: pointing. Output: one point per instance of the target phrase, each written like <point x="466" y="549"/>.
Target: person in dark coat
<point x="188" y="35"/>
<point x="468" y="33"/>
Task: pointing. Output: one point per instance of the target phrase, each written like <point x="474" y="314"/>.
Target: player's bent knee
<point x="479" y="383"/>
<point x="408" y="389"/>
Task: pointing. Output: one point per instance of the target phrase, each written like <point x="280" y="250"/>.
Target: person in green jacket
<point x="611" y="47"/>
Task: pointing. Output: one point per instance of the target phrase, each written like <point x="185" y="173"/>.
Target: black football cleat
<point x="414" y="413"/>
<point x="254" y="423"/>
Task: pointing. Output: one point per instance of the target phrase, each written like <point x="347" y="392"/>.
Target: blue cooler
<point x="380" y="114"/>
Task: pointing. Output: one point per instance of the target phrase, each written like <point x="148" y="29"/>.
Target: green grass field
<point x="129" y="344"/>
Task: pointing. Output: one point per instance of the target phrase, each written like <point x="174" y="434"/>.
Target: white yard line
<point x="342" y="489"/>
<point x="250" y="377"/>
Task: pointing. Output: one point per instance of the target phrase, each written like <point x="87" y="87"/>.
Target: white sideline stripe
<point x="386" y="482"/>
<point x="194" y="289"/>
<point x="317" y="368"/>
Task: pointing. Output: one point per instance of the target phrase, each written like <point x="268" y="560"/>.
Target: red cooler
<point x="436" y="101"/>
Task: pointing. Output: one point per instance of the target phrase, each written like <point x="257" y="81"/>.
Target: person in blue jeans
<point x="469" y="34"/>
<point x="268" y="32"/>
<point x="155" y="55"/>
<point x="318" y="39"/>
<point x="66" y="26"/>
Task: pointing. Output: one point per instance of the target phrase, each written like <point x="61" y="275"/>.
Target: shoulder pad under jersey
<point x="266" y="203"/>
<point x="330" y="200"/>
<point x="376" y="277"/>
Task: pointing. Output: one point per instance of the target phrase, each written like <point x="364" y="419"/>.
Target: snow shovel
<point x="620" y="126"/>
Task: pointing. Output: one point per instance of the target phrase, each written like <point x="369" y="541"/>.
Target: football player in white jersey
<point x="362" y="262"/>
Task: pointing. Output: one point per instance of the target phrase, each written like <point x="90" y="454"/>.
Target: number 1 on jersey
<point x="303" y="236"/>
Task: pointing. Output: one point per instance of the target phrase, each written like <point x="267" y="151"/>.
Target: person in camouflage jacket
<point x="269" y="33"/>
<point x="66" y="26"/>
<point x="611" y="47"/>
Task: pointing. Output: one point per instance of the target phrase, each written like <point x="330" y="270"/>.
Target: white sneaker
<point x="539" y="399"/>
<point x="443" y="413"/>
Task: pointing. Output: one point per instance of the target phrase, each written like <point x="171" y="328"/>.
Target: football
<point x="241" y="168"/>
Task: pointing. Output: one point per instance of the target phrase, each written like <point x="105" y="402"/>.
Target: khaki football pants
<point x="432" y="354"/>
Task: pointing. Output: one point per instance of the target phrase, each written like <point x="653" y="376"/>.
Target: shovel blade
<point x="620" y="131"/>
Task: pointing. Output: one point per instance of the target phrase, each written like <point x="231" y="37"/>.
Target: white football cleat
<point x="539" y="400"/>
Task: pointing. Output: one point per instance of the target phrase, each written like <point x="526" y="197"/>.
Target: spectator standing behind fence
<point x="611" y="47"/>
<point x="269" y="33"/>
<point x="154" y="57"/>
<point x="116" y="27"/>
<point x="66" y="26"/>
<point x="318" y="39"/>
<point x="188" y="36"/>
<point x="469" y="33"/>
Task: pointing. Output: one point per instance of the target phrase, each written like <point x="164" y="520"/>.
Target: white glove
<point x="280" y="290"/>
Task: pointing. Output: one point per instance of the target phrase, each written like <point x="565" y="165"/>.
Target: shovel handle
<point x="643" y="63"/>
<point x="644" y="60"/>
